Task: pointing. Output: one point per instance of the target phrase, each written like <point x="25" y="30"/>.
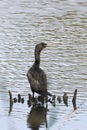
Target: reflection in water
<point x="38" y="112"/>
<point x="38" y="102"/>
<point x="38" y="106"/>
<point x="10" y="107"/>
<point x="74" y="105"/>
<point x="37" y="117"/>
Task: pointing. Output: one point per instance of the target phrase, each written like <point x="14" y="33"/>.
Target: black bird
<point x="36" y="76"/>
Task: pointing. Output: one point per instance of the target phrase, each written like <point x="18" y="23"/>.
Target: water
<point x="63" y="26"/>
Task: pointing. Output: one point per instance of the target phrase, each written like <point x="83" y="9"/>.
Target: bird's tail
<point x="47" y="94"/>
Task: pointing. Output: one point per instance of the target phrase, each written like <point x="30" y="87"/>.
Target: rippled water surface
<point x="62" y="24"/>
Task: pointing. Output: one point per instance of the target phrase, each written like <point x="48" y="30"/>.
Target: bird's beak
<point x="45" y="45"/>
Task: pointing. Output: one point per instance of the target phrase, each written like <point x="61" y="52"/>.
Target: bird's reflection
<point x="37" y="117"/>
<point x="38" y="106"/>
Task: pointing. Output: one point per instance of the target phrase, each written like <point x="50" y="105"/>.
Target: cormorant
<point x="36" y="76"/>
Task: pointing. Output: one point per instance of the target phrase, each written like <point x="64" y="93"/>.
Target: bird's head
<point x="41" y="46"/>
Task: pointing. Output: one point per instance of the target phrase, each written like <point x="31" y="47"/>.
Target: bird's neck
<point x="37" y="58"/>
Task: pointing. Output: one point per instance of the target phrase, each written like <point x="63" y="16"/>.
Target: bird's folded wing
<point x="33" y="82"/>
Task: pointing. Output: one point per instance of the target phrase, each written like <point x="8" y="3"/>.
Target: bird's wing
<point x="43" y="81"/>
<point x="33" y="82"/>
<point x="44" y="78"/>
